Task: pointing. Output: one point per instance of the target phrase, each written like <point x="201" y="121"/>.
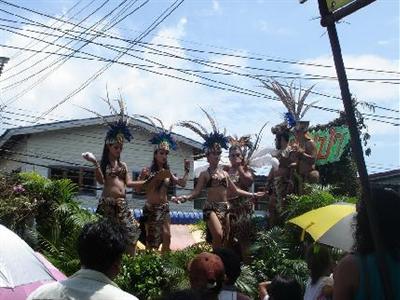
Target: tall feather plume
<point x="189" y="125"/>
<point x="199" y="126"/>
<point x="257" y="141"/>
<point x="302" y="100"/>
<point x="288" y="97"/>
<point x="113" y="111"/>
<point x="97" y="114"/>
<point x="147" y="119"/>
<point x="212" y="121"/>
<point x="161" y="123"/>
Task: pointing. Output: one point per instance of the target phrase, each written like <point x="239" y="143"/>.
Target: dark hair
<point x="154" y="166"/>
<point x="284" y="288"/>
<point x="105" y="160"/>
<point x="231" y="264"/>
<point x="386" y="206"/>
<point x="100" y="244"/>
<point x="318" y="261"/>
<point x="279" y="136"/>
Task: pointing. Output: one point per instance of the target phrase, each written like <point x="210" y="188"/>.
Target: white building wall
<point x="63" y="147"/>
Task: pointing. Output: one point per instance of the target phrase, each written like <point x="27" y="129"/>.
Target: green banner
<point x="336" y="4"/>
<point x="330" y="143"/>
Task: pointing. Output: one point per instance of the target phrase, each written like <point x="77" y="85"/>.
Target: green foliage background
<point x="52" y="206"/>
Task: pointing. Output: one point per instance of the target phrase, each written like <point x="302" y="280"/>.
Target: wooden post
<point x="356" y="146"/>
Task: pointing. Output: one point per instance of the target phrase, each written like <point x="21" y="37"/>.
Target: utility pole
<point x="328" y="18"/>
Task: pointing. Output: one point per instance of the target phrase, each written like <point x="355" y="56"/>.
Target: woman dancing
<point x="156" y="210"/>
<point x="241" y="174"/>
<point x="113" y="174"/>
<point x="217" y="183"/>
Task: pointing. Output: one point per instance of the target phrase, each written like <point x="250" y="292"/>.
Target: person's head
<point x="319" y="262"/>
<point x="110" y="151"/>
<point x="160" y="160"/>
<point x="235" y="155"/>
<point x="281" y="140"/>
<point x="301" y="128"/>
<point x="101" y="245"/>
<point x="214" y="155"/>
<point x="284" y="288"/>
<point x="231" y="264"/>
<point x="386" y="206"/>
<point x="114" y="150"/>
<point x="206" y="272"/>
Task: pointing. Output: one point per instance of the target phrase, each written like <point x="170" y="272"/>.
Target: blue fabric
<point x="376" y="289"/>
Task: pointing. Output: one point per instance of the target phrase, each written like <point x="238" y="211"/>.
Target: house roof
<point x="384" y="175"/>
<point x="69" y="124"/>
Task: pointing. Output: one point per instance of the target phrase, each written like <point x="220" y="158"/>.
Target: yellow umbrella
<point x="329" y="225"/>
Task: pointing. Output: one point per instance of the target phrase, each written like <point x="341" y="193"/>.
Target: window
<point x="84" y="178"/>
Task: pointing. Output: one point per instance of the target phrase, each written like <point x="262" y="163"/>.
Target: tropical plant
<point x="17" y="208"/>
<point x="148" y="275"/>
<point x="272" y="255"/>
<point x="26" y="197"/>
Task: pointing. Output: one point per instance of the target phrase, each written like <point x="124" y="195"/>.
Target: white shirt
<point x="85" y="284"/>
<point x="314" y="291"/>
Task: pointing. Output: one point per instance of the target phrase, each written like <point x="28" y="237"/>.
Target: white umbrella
<point x="21" y="269"/>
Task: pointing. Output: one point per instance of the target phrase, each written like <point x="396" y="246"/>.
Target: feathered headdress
<point x="214" y="140"/>
<point x="293" y="102"/>
<point x="162" y="138"/>
<point x="253" y="156"/>
<point x="118" y="128"/>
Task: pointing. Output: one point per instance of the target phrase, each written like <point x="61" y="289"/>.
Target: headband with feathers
<point x="214" y="140"/>
<point x="253" y="156"/>
<point x="162" y="138"/>
<point x="294" y="103"/>
<point x="118" y="128"/>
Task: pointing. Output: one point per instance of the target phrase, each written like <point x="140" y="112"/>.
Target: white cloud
<point x="270" y="29"/>
<point x="216" y="5"/>
<point x="145" y="93"/>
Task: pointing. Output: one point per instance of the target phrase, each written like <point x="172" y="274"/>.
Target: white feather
<point x="262" y="152"/>
<point x="265" y="160"/>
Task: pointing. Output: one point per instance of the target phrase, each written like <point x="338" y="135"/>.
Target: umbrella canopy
<point x="21" y="269"/>
<point x="330" y="225"/>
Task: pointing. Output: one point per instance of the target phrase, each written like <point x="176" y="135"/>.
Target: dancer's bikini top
<point x="119" y="171"/>
<point x="216" y="181"/>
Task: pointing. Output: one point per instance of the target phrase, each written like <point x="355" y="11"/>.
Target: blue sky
<point x="249" y="33"/>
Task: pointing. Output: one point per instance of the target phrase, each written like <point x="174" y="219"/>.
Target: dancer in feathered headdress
<point x="216" y="181"/>
<point x="159" y="179"/>
<point x="244" y="156"/>
<point x="299" y="159"/>
<point x="113" y="173"/>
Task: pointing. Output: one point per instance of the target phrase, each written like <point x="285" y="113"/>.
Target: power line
<point x="241" y="74"/>
<point x="383" y="108"/>
<point x="155" y="23"/>
<point x="63" y="60"/>
<point x="51" y="27"/>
